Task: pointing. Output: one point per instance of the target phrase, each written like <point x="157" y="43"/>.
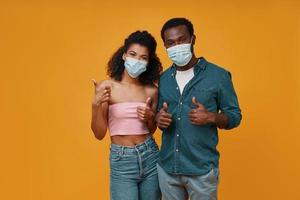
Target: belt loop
<point x="122" y="150"/>
<point x="147" y="145"/>
<point x="149" y="141"/>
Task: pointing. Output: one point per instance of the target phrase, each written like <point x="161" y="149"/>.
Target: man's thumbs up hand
<point x="200" y="115"/>
<point x="165" y="107"/>
<point x="196" y="103"/>
<point x="163" y="118"/>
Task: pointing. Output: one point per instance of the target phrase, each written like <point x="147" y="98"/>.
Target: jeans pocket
<point x="212" y="177"/>
<point x="154" y="148"/>
<point x="216" y="173"/>
<point x="115" y="156"/>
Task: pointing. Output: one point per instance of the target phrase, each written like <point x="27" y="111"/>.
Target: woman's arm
<point x="99" y="120"/>
<point x="147" y="113"/>
<point x="100" y="109"/>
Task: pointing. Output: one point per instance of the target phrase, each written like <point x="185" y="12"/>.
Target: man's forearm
<point x="219" y="119"/>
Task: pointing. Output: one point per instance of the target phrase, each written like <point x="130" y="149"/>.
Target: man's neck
<point x="191" y="64"/>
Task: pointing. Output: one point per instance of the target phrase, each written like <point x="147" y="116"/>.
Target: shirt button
<point x="176" y="88"/>
<point x="181" y="103"/>
<point x="177" y="150"/>
<point x="177" y="135"/>
<point x="178" y="118"/>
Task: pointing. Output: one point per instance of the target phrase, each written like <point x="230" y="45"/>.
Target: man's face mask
<point x="135" y="67"/>
<point x="180" y="54"/>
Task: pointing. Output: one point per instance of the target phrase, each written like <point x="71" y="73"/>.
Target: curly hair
<point x="116" y="63"/>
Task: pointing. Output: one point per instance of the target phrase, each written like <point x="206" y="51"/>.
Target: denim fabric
<point x="189" y="149"/>
<point x="182" y="187"/>
<point x="133" y="172"/>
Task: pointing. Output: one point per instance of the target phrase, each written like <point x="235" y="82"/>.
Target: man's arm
<point x="230" y="113"/>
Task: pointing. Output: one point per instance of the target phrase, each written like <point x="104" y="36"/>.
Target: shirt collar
<point x="200" y="65"/>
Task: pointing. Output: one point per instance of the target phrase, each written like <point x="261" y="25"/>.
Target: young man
<point x="196" y="98"/>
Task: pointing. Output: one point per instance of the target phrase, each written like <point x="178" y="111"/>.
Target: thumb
<point x="148" y="102"/>
<point x="165" y="107"/>
<point x="94" y="81"/>
<point x="107" y="87"/>
<point x="196" y="102"/>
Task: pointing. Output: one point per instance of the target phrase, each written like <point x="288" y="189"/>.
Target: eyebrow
<point x="136" y="53"/>
<point x="132" y="51"/>
<point x="171" y="39"/>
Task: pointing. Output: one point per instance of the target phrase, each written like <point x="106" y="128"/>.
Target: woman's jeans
<point x="133" y="172"/>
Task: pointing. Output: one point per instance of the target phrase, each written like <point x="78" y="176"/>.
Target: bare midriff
<point x="128" y="140"/>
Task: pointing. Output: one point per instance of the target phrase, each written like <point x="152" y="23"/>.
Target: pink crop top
<point x="123" y="119"/>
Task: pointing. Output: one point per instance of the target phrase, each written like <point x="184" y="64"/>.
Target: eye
<point x="169" y="42"/>
<point x="132" y="53"/>
<point x="182" y="40"/>
<point x="145" y="58"/>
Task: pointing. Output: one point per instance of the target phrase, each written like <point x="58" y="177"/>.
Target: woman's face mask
<point x="135" y="67"/>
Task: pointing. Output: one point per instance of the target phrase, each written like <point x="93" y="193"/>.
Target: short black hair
<point x="177" y="22"/>
<point x="116" y="63"/>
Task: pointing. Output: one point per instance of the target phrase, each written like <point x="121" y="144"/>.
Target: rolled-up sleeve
<point x="228" y="101"/>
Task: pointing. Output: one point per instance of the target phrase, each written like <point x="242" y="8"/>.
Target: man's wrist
<point x="212" y="117"/>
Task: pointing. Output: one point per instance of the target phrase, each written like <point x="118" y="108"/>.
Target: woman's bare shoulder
<point x="151" y="90"/>
<point x="107" y="82"/>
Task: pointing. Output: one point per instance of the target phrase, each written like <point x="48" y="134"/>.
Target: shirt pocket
<point x="204" y="96"/>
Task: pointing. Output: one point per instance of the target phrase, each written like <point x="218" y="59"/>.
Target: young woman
<point x="126" y="105"/>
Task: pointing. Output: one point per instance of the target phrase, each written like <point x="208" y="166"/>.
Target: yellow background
<point x="50" y="50"/>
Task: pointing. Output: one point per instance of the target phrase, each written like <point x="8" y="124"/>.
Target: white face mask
<point x="135" y="67"/>
<point x="180" y="54"/>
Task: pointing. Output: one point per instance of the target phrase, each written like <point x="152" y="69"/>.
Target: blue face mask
<point x="180" y="54"/>
<point x="135" y="67"/>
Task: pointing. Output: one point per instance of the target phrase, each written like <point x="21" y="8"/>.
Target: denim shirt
<point x="186" y="148"/>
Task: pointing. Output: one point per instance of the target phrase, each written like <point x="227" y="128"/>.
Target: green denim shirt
<point x="186" y="148"/>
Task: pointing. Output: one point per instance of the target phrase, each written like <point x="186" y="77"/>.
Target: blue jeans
<point x="133" y="172"/>
<point x="181" y="187"/>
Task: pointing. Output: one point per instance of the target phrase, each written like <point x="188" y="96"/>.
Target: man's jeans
<point x="133" y="173"/>
<point x="181" y="187"/>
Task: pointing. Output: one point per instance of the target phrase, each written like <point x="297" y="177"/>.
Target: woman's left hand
<point x="145" y="113"/>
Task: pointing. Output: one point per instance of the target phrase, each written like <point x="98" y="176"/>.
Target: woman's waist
<point x="129" y="140"/>
<point x="130" y="143"/>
